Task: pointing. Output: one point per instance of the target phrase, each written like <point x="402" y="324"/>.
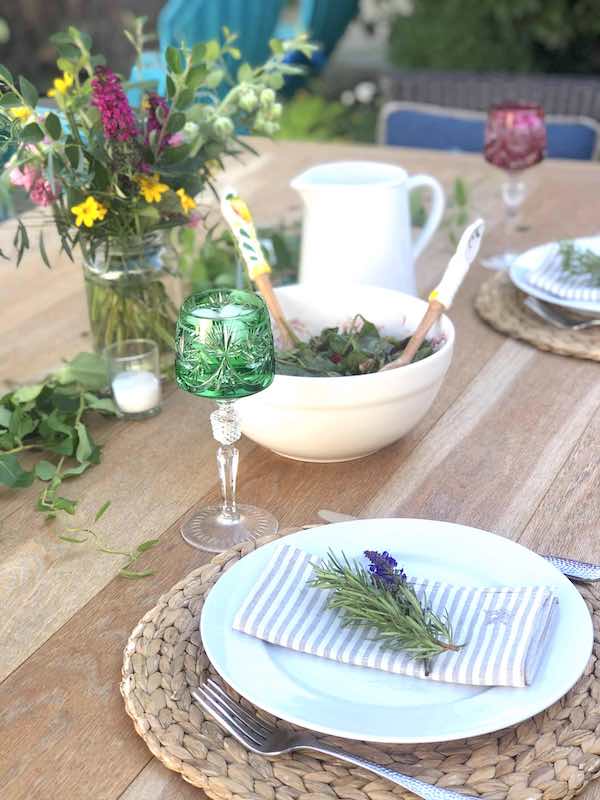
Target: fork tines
<point x="247" y="728"/>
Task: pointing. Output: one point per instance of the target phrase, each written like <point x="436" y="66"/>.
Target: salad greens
<point x="356" y="350"/>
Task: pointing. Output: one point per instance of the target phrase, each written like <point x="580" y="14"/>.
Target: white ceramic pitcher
<point x="357" y="226"/>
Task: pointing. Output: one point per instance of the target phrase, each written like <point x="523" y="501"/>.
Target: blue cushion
<point x="426" y="129"/>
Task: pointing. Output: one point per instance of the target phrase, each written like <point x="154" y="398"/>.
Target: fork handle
<point x="425" y="790"/>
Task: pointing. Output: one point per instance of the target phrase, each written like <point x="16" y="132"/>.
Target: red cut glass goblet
<point x="515" y="139"/>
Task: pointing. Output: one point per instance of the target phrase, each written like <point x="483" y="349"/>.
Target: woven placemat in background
<point x="500" y="303"/>
<point x="551" y="756"/>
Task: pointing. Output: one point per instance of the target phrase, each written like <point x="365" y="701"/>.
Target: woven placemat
<point x="551" y="756"/>
<point x="500" y="303"/>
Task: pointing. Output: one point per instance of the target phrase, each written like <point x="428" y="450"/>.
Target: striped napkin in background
<point x="505" y="629"/>
<point x="550" y="277"/>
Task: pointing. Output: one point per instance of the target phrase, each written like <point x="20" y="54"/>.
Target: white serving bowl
<point x="343" y="418"/>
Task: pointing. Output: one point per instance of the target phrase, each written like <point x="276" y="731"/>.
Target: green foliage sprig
<point x="576" y="261"/>
<point x="83" y="535"/>
<point x="50" y="420"/>
<point x="384" y="600"/>
<point x="356" y="351"/>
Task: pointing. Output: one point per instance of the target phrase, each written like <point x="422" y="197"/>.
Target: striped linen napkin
<point x="550" y="277"/>
<point x="505" y="628"/>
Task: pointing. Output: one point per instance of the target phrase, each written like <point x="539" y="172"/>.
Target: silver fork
<point x="580" y="571"/>
<point x="558" y="318"/>
<point x="261" y="737"/>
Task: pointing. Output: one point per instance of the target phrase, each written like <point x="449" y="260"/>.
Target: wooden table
<point x="511" y="446"/>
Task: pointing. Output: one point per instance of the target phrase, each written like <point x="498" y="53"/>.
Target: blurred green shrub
<point x="214" y="263"/>
<point x="507" y="35"/>
<point x="311" y="116"/>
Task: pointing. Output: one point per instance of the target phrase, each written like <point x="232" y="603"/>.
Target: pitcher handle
<point x="436" y="213"/>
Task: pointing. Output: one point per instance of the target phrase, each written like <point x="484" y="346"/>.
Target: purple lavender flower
<point x="383" y="568"/>
<point x="109" y="98"/>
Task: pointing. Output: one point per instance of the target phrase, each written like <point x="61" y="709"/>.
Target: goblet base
<point x="211" y="530"/>
<point x="499" y="262"/>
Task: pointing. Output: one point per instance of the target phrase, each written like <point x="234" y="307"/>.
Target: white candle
<point x="136" y="391"/>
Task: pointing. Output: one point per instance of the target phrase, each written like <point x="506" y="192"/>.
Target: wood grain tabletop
<point x="511" y="445"/>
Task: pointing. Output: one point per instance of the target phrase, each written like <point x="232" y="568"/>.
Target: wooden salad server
<point x="442" y="296"/>
<point x="238" y="217"/>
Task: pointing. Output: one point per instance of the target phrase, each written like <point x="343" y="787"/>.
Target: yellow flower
<point x="61" y="85"/>
<point x="187" y="202"/>
<point x="20" y="112"/>
<point x="151" y="188"/>
<point x="88" y="212"/>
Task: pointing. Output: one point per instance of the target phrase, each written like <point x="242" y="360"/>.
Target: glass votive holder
<point x="134" y="375"/>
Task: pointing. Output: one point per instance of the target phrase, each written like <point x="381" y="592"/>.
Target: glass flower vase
<point x="133" y="293"/>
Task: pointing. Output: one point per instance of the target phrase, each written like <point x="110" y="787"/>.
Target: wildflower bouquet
<point x="116" y="177"/>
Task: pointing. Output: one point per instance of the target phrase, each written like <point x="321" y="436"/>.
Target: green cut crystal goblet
<point x="225" y="351"/>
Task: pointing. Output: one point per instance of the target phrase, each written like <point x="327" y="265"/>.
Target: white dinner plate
<point x="531" y="259"/>
<point x="369" y="704"/>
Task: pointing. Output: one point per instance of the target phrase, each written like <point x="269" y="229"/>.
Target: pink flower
<point x="175" y="139"/>
<point x="194" y="220"/>
<point x="25" y="178"/>
<point x="118" y="120"/>
<point x="41" y="192"/>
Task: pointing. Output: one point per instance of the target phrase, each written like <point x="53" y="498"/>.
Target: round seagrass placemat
<point x="500" y="303"/>
<point x="551" y="756"/>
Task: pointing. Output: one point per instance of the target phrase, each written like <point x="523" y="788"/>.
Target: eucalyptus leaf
<point x="53" y="126"/>
<point x="100" y="403"/>
<point x="10" y="99"/>
<point x="32" y="133"/>
<point x="147" y="545"/>
<point x="173" y="58"/>
<point x="64" y="504"/>
<point x="29" y="92"/>
<point x="102" y="510"/>
<point x="72" y="472"/>
<point x="6" y="75"/>
<point x="5" y="415"/>
<point x="88" y="369"/>
<point x="27" y="393"/>
<point x="12" y="473"/>
<point x="45" y="470"/>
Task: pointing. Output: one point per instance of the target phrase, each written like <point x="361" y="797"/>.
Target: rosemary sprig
<point x="382" y="598"/>
<point x="576" y="261"/>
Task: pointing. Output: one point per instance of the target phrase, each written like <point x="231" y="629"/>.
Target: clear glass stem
<point x="513" y="195"/>
<point x="227" y="462"/>
<point x="226" y="430"/>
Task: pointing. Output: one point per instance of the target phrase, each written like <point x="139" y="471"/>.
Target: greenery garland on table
<point x="50" y="420"/>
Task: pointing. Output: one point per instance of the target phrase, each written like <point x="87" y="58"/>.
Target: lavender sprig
<point x="380" y="597"/>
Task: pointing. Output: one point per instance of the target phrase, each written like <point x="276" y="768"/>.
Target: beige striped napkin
<point x="550" y="277"/>
<point x="505" y="629"/>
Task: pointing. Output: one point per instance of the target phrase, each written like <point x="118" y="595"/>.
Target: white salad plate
<point x="531" y="259"/>
<point x="369" y="704"/>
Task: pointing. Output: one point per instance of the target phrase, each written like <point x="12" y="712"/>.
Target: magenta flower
<point x="109" y="98"/>
<point x="41" y="192"/>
